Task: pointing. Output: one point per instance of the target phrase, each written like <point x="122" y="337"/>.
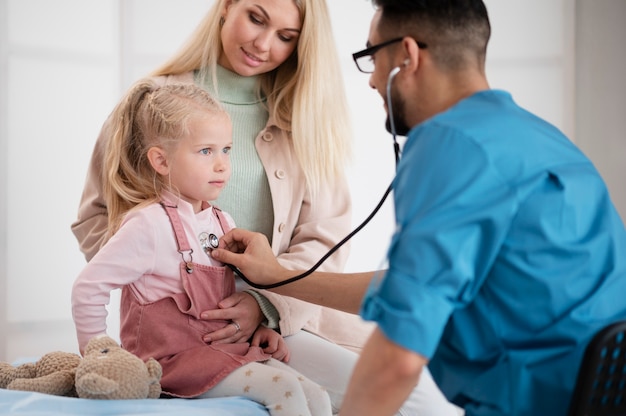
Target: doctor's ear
<point x="158" y="160"/>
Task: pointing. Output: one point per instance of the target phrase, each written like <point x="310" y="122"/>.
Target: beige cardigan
<point x="304" y="229"/>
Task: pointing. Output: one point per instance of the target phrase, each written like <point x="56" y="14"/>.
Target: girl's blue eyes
<point x="208" y="151"/>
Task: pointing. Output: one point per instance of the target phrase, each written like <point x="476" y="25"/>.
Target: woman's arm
<point x="239" y="307"/>
<point x="92" y="221"/>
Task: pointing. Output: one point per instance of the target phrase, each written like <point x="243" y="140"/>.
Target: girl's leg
<point x="280" y="389"/>
<point x="317" y="397"/>
<point x="331" y="365"/>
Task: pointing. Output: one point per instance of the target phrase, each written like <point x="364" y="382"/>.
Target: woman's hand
<point x="252" y="254"/>
<point x="271" y="342"/>
<point x="243" y="310"/>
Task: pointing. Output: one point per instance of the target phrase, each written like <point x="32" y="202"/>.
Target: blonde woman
<point x="274" y="67"/>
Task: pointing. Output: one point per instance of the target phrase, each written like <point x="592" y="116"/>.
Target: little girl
<point x="168" y="155"/>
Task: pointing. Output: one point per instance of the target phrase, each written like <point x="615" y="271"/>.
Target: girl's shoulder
<point x="216" y="211"/>
<point x="148" y="212"/>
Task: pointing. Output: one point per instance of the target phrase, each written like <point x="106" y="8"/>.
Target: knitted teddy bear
<point x="107" y="371"/>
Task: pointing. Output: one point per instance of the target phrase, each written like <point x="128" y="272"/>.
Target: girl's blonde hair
<point x="305" y="94"/>
<point x="149" y="115"/>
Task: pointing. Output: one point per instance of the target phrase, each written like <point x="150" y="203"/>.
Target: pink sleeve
<point x="127" y="256"/>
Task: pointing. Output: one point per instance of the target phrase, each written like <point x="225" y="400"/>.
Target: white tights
<point x="280" y="388"/>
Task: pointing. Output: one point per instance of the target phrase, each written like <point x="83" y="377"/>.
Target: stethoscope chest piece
<point x="208" y="241"/>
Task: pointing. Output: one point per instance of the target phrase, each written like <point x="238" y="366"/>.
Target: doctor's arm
<point x="251" y="253"/>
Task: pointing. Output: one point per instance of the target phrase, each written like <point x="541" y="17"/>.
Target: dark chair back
<point x="601" y="383"/>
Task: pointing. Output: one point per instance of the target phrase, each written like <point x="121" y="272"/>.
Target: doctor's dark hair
<point x="456" y="31"/>
<point x="149" y="115"/>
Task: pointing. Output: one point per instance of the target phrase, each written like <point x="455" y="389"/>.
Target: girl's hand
<point x="271" y="342"/>
<point x="241" y="308"/>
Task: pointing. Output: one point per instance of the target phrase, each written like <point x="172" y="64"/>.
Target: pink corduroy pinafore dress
<point x="170" y="330"/>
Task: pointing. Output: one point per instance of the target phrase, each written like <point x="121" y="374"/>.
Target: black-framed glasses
<point x="363" y="59"/>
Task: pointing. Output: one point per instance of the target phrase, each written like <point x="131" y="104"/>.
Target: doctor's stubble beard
<point x="397" y="109"/>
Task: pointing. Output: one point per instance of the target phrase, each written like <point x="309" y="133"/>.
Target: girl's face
<point x="200" y="165"/>
<point x="258" y="35"/>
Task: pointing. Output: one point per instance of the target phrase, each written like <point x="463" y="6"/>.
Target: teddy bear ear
<point x="100" y="342"/>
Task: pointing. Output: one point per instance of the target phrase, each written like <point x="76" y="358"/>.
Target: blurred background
<point x="65" y="63"/>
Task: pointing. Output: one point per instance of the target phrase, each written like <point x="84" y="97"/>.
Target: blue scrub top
<point x="508" y="256"/>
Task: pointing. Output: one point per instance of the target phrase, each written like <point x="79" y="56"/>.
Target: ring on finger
<point x="237" y="327"/>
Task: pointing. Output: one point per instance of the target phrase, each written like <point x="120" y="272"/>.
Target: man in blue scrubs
<point x="508" y="255"/>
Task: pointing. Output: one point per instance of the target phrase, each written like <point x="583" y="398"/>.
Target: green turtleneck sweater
<point x="247" y="196"/>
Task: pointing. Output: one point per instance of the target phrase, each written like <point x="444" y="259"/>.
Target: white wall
<point x="64" y="64"/>
<point x="601" y="90"/>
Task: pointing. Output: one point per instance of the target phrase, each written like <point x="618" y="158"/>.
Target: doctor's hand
<point x="252" y="254"/>
<point x="240" y="308"/>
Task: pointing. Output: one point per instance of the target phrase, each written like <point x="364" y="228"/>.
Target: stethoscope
<point x="210" y="242"/>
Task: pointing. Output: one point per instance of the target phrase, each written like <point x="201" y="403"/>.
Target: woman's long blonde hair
<point x="305" y="95"/>
<point x="149" y="115"/>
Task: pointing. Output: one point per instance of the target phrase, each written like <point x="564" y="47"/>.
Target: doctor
<point x="508" y="255"/>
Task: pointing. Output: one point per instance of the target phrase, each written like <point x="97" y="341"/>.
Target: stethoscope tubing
<point x="321" y="260"/>
<point x="396" y="148"/>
